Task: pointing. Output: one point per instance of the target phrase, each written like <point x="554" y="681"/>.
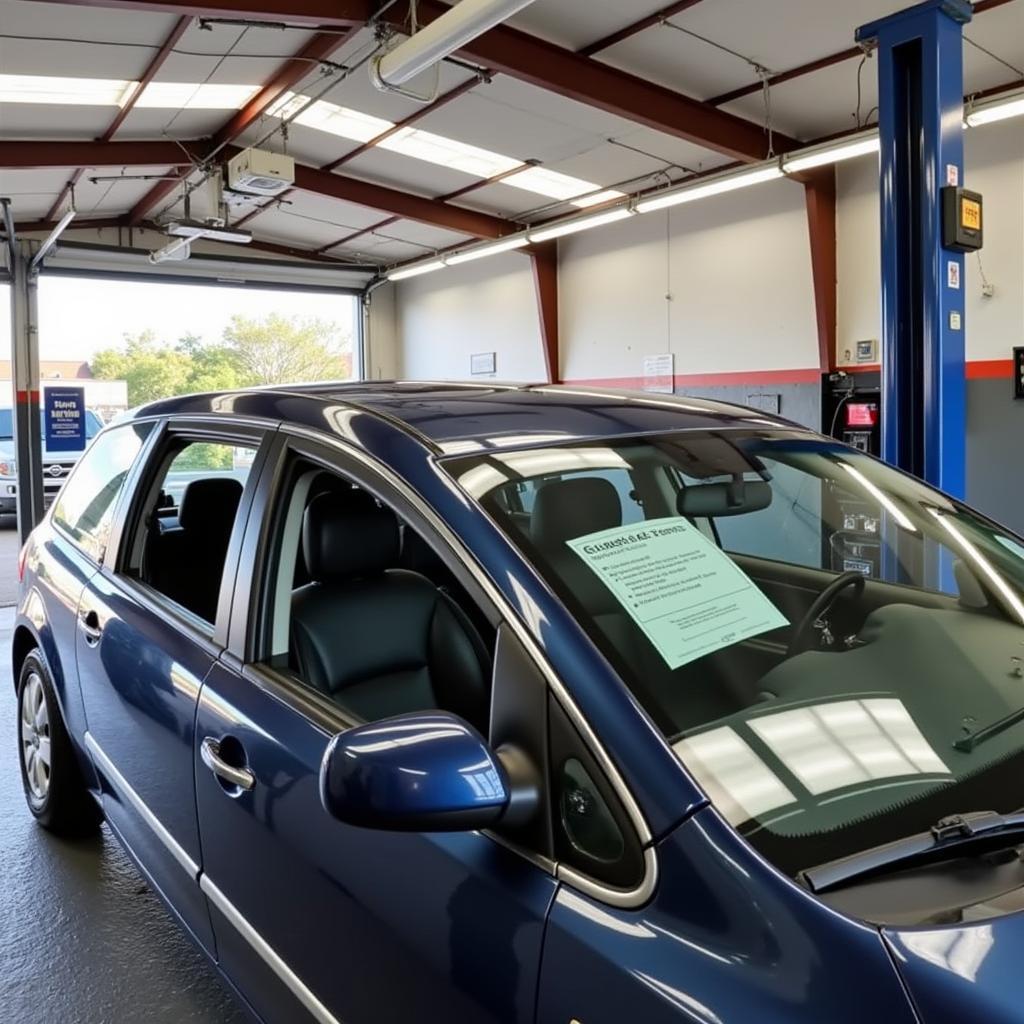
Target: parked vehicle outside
<point x="57" y="466"/>
<point x="537" y="704"/>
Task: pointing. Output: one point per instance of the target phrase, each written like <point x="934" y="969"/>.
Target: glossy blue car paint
<point x="312" y="918"/>
<point x="421" y="772"/>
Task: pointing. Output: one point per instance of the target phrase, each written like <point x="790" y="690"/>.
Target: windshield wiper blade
<point x="948" y="837"/>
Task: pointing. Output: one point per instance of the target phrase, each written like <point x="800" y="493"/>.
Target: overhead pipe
<point x="443" y="36"/>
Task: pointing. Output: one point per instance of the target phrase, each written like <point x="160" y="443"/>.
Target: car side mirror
<point x="422" y="772"/>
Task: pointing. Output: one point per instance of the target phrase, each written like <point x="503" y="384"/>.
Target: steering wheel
<point x="803" y="633"/>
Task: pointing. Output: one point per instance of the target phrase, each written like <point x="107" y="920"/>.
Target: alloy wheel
<point x="35" y="737"/>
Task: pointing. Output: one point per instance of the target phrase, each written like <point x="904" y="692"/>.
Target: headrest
<point x="209" y="506"/>
<point x="343" y="536"/>
<point x="565" y="509"/>
<point x="731" y="499"/>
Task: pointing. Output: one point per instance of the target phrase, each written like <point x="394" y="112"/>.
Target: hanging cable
<point x="995" y="56"/>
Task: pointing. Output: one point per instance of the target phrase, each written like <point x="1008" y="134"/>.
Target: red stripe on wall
<point x="682" y="380"/>
<point x="990" y="369"/>
<point x="24" y="397"/>
<point x="981" y="369"/>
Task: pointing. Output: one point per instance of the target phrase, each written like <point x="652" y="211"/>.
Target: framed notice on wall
<point x="659" y="373"/>
<point x="483" y="363"/>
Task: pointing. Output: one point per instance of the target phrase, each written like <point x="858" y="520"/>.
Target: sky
<point x="78" y="316"/>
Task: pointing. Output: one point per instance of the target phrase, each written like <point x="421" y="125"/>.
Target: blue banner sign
<point x="64" y="419"/>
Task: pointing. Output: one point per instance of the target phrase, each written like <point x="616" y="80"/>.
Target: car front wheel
<point x="54" y="789"/>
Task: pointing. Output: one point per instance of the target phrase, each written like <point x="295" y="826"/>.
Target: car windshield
<point x="818" y="722"/>
<point x="93" y="425"/>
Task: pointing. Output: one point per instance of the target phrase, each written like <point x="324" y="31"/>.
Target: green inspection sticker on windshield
<point x="687" y="595"/>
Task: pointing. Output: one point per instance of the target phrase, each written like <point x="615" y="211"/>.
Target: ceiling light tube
<point x="505" y="245"/>
<point x="709" y="187"/>
<point x="443" y="36"/>
<point x="831" y="153"/>
<point x="570" y="227"/>
<point x="420" y="268"/>
<point x="998" y="109"/>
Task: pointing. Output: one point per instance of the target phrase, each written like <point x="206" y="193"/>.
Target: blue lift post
<point x="920" y="85"/>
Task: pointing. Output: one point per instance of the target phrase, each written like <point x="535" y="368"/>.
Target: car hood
<point x="967" y="972"/>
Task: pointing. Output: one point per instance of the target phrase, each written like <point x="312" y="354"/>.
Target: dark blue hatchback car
<point x="510" y="704"/>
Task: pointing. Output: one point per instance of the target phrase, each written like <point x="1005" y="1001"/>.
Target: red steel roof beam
<point x="288" y="75"/>
<point x="161" y="55"/>
<point x="637" y="26"/>
<point x="529" y="59"/>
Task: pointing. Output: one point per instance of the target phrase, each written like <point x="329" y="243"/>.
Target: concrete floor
<point x="82" y="938"/>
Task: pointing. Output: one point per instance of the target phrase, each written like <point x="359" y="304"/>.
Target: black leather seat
<point x="564" y="510"/>
<point x="186" y="564"/>
<point x="380" y="641"/>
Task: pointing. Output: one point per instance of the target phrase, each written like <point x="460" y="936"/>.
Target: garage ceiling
<point x="705" y="50"/>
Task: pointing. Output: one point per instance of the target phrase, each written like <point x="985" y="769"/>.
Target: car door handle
<point x="209" y="751"/>
<point x="89" y="624"/>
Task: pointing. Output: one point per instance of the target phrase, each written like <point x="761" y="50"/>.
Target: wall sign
<point x="483" y="362"/>
<point x="64" y="419"/>
<point x="659" y="373"/>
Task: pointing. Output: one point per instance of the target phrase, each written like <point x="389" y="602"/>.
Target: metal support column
<point x="25" y="374"/>
<point x="920" y="84"/>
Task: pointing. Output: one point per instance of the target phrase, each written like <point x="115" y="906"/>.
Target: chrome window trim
<point x="124" y="788"/>
<point x="625" y="898"/>
<point x="267" y="953"/>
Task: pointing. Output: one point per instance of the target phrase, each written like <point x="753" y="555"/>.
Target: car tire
<point x="50" y="775"/>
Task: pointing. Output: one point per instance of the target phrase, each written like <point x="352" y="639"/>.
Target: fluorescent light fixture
<point x="458" y="156"/>
<point x="556" y="185"/>
<point x="415" y="271"/>
<point x="331" y="118"/>
<point x="505" y="245"/>
<point x="832" y="153"/>
<point x="195" y="96"/>
<point x="444" y="35"/>
<point x="996" y="110"/>
<point x="570" y="227"/>
<point x="197" y="229"/>
<point x="709" y="187"/>
<point x="86" y="92"/>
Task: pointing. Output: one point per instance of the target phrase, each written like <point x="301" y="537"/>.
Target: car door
<point x="67" y="550"/>
<point x="317" y="919"/>
<point x="142" y="656"/>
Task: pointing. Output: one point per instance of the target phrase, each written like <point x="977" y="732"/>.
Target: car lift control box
<point x="961" y="219"/>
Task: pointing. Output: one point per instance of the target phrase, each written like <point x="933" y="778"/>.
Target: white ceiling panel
<point x="576" y="23"/>
<point x="425" y="235"/>
<point x="42" y="121"/>
<point x="403" y="172"/>
<point x="71" y="59"/>
<point x="286" y="225"/>
<point x="32" y="191"/>
<point x="149" y="123"/>
<point x="20" y="17"/>
<point x="110" y="198"/>
<point x="815" y="105"/>
<point x="1000" y="31"/>
<point x="343" y="216"/>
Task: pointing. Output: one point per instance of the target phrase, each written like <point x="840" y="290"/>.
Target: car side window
<point x="85" y="507"/>
<point x="363" y="610"/>
<point x="181" y="537"/>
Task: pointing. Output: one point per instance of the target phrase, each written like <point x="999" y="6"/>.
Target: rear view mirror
<point x="422" y="772"/>
<point x="723" y="499"/>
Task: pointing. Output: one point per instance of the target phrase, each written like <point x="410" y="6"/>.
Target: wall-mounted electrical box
<point x="961" y="219"/>
<point x="1018" y="373"/>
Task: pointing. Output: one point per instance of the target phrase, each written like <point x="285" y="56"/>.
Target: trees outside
<point x="270" y="350"/>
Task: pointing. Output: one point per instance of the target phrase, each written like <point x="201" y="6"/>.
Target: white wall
<point x="380" y="336"/>
<point x="994" y="166"/>
<point x="486" y="306"/>
<point x="738" y="270"/>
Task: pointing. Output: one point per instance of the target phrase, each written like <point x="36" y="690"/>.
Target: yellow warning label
<point x="970" y="214"/>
